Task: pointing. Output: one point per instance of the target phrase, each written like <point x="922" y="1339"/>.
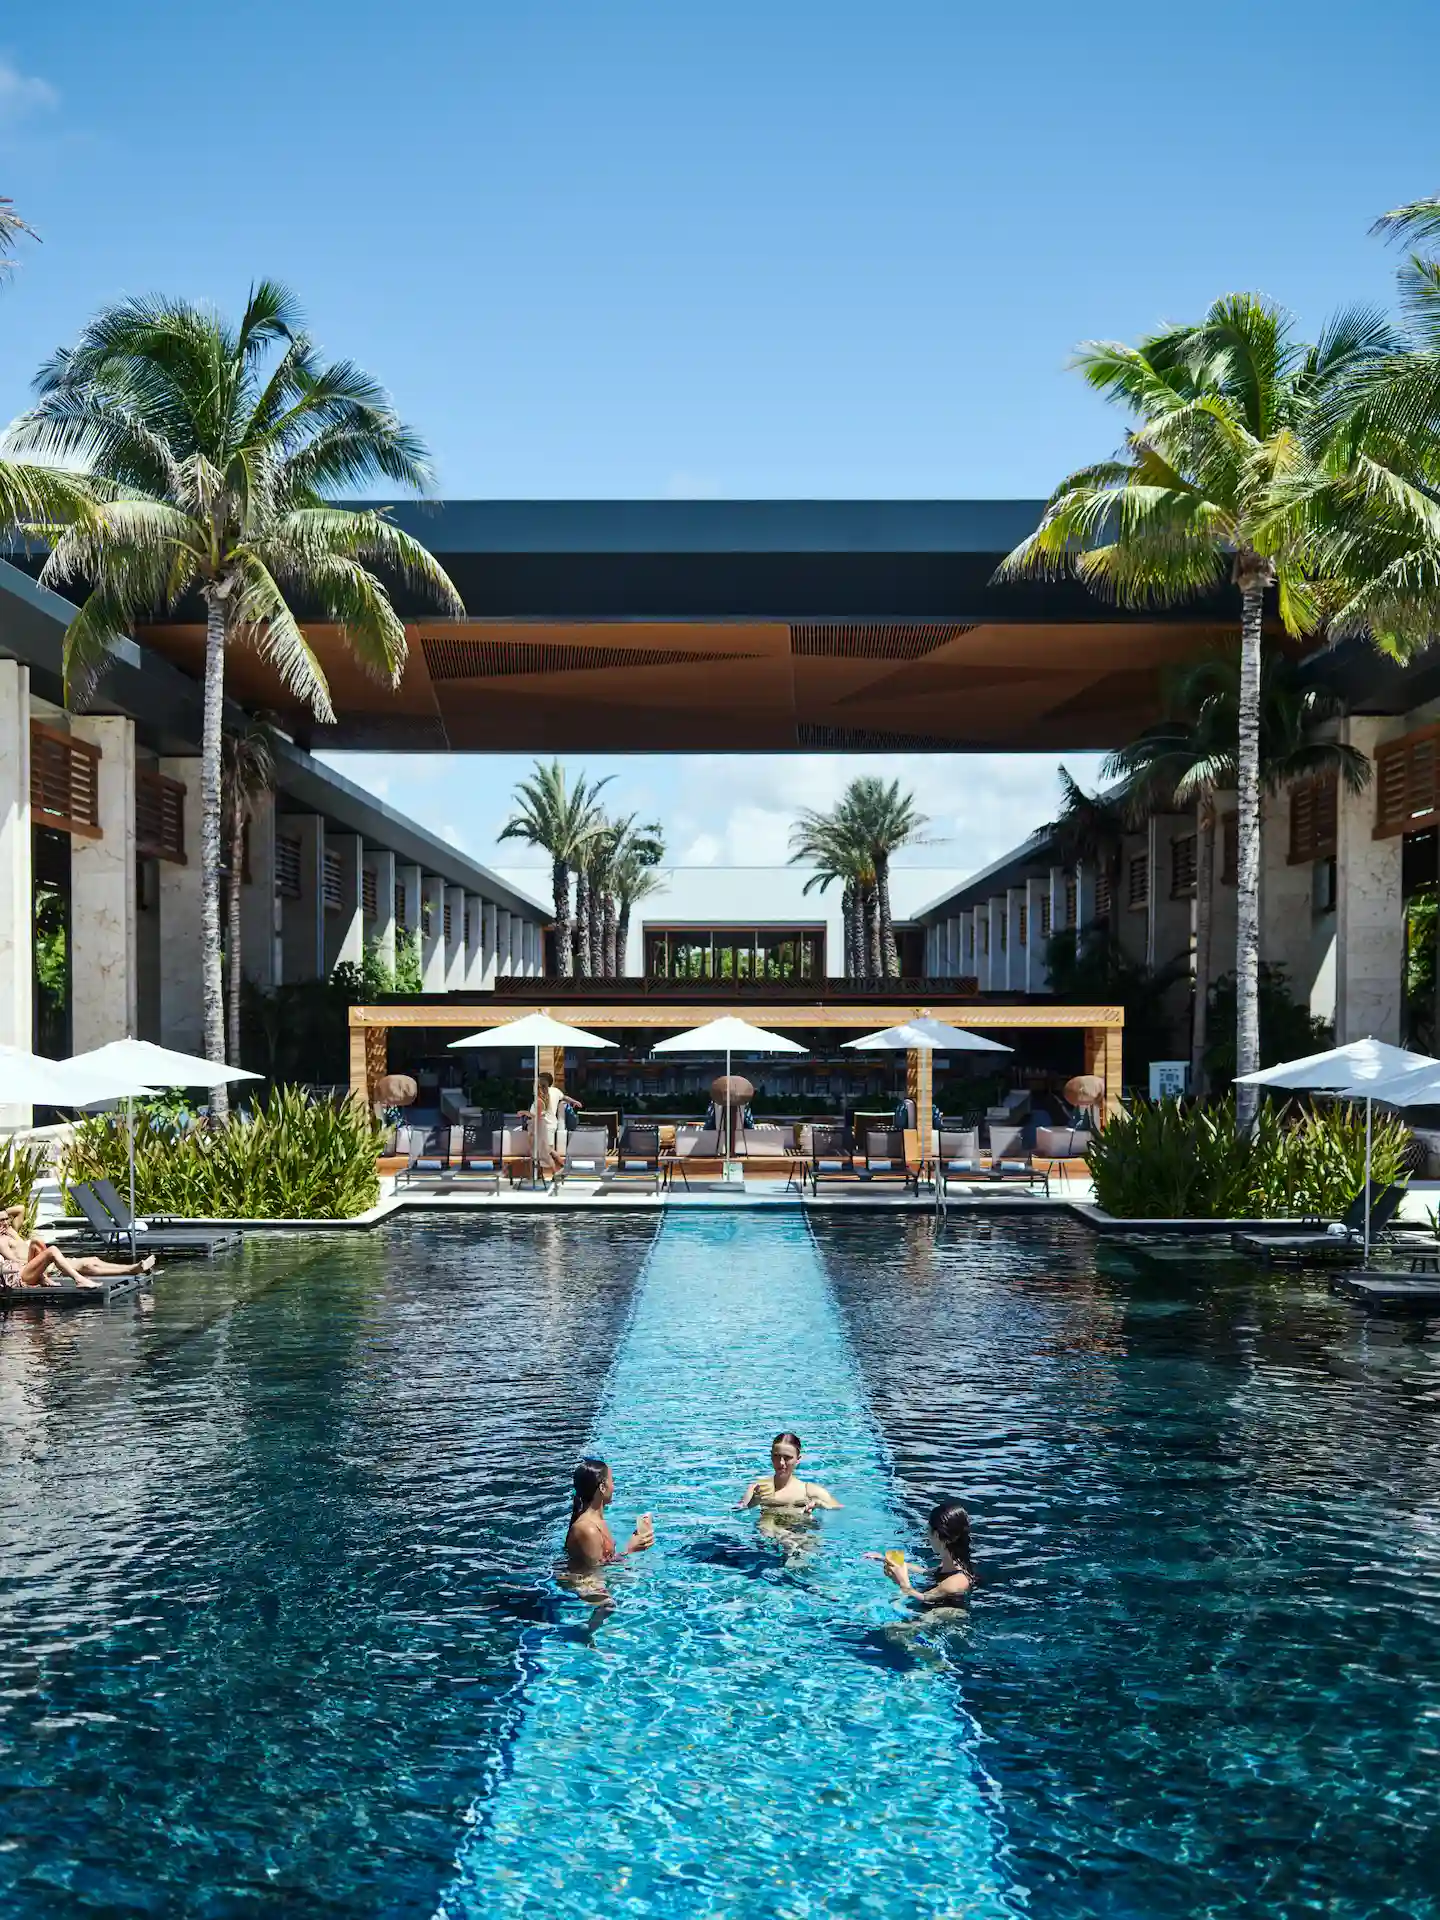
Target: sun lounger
<point x="586" y="1155"/>
<point x="638" y="1160"/>
<point x="1347" y="1244"/>
<point x="959" y="1157"/>
<point x="1011" y="1162"/>
<point x="64" y="1293"/>
<point x="113" y="1226"/>
<point x="884" y="1159"/>
<point x="434" y="1153"/>
<point x="482" y="1158"/>
<point x="829" y="1157"/>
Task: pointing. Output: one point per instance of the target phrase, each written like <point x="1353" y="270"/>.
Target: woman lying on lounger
<point x="780" y="1491"/>
<point x="24" y="1263"/>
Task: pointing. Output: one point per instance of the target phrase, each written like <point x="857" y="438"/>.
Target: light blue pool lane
<point x="743" y="1738"/>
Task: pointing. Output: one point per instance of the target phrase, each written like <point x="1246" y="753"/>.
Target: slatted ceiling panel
<point x="457" y="658"/>
<point x="870" y="740"/>
<point x="856" y="640"/>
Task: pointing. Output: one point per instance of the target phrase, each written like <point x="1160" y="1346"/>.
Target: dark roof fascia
<point x="1370" y="682"/>
<point x="1007" y="871"/>
<point x="312" y="787"/>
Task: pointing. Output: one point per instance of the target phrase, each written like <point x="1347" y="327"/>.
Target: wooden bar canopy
<point x="370" y="1025"/>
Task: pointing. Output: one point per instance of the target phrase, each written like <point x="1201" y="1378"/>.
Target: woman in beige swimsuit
<point x="24" y="1263"/>
<point x="780" y="1492"/>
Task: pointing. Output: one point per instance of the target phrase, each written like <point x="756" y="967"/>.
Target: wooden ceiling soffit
<point x="941" y="677"/>
<point x="454" y="658"/>
<point x="872" y="640"/>
<point x="1123" y="691"/>
<point x="809" y="733"/>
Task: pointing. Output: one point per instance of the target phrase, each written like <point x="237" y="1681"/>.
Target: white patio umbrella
<point x="1358" y="1070"/>
<point x="147" y="1067"/>
<point x="924" y="1034"/>
<point x="533" y="1030"/>
<point x="727" y="1035"/>
<point x="30" y="1080"/>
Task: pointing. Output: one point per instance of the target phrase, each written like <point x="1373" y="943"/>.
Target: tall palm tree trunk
<point x="211" y="980"/>
<point x="1204" y="896"/>
<point x="232" y="932"/>
<point x="583" y="969"/>
<point x="1253" y="575"/>
<point x="564" y="952"/>
<point x="850" y="931"/>
<point x="874" y="957"/>
<point x="622" y="938"/>
<point x="889" y="952"/>
<point x="609" y="934"/>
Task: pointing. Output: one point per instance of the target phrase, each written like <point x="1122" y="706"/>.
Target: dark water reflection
<point x="266" y="1556"/>
<point x="1206" y="1650"/>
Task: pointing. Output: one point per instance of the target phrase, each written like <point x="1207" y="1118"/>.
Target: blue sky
<point x="743" y="250"/>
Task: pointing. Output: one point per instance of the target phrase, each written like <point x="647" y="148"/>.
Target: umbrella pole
<point x="729" y="1142"/>
<point x="130" y="1130"/>
<point x="1369" y="1108"/>
<point x="535" y="1127"/>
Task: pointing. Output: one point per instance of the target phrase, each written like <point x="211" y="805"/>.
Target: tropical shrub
<point x="1170" y="1160"/>
<point x="1288" y="1029"/>
<point x="288" y="1158"/>
<point x="22" y="1169"/>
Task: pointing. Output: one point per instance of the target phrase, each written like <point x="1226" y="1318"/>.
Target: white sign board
<point x="1168" y="1079"/>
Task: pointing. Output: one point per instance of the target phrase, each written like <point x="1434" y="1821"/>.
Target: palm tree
<point x="247" y="769"/>
<point x="1223" y="413"/>
<point x="1089" y="830"/>
<point x="829" y="842"/>
<point x="623" y="851"/>
<point x="636" y="879"/>
<point x="214" y="447"/>
<point x="37" y="498"/>
<point x="882" y="820"/>
<point x="561" y="821"/>
<point x="1190" y="757"/>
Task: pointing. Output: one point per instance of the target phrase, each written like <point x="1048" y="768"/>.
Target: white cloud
<point x="22" y="94"/>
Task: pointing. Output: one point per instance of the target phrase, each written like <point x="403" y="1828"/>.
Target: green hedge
<point x="22" y="1168"/>
<point x="1171" y="1161"/>
<point x="288" y="1158"/>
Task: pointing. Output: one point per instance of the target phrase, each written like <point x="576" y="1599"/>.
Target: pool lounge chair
<point x="111" y="1223"/>
<point x="1313" y="1247"/>
<point x="884" y="1159"/>
<point x="959" y="1157"/>
<point x="482" y="1153"/>
<point x="66" y="1294"/>
<point x="829" y="1157"/>
<point x="434" y="1154"/>
<point x="1011" y="1162"/>
<point x="587" y="1154"/>
<point x="638" y="1159"/>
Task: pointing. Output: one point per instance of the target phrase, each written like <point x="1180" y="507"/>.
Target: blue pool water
<point x="278" y="1633"/>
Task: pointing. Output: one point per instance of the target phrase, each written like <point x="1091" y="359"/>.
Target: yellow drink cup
<point x="895" y="1560"/>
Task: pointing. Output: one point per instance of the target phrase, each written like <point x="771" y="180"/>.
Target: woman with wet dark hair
<point x="780" y="1490"/>
<point x="949" y="1529"/>
<point x="589" y="1543"/>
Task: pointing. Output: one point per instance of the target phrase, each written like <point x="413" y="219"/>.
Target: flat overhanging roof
<point x="740" y="626"/>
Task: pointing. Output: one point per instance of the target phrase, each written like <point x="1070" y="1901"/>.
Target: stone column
<point x="302" y="921"/>
<point x="182" y="1002"/>
<point x="1058" y="877"/>
<point x="381" y="931"/>
<point x="1037" y="902"/>
<point x="502" y="943"/>
<point x="1369" y="912"/>
<point x="997" y="960"/>
<point x="490" y="947"/>
<point x="259" y="902"/>
<point x="17" y="881"/>
<point x="934" y="965"/>
<point x="517" y="946"/>
<point x="102" y="895"/>
<point x="474" y="942"/>
<point x="1287" y="915"/>
<point x="432" y="941"/>
<point x="966" y="923"/>
<point x="455" y="945"/>
<point x="1168" y="918"/>
<point x="345" y="930"/>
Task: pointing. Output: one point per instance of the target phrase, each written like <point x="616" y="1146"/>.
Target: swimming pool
<point x="277" y="1633"/>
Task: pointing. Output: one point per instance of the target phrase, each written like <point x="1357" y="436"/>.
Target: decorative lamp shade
<point x="731" y="1087"/>
<point x="1085" y="1090"/>
<point x="395" y="1090"/>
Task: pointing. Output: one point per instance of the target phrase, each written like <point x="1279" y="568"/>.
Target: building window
<point x="449" y="927"/>
<point x="401" y="930"/>
<point x="1183" y="866"/>
<point x="1229" y="848"/>
<point x="1407" y="783"/>
<point x="287" y="867"/>
<point x="333" y="882"/>
<point x="160" y="817"/>
<point x="1024" y="924"/>
<point x="985" y="934"/>
<point x="1004" y="932"/>
<point x="1139" y="881"/>
<point x="1314" y="819"/>
<point x="1102" y="894"/>
<point x="1070" y="900"/>
<point x="369" y="893"/>
<point x="469" y="926"/>
<point x="777" y="954"/>
<point x="1044" y="916"/>
<point x="64" y="783"/>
